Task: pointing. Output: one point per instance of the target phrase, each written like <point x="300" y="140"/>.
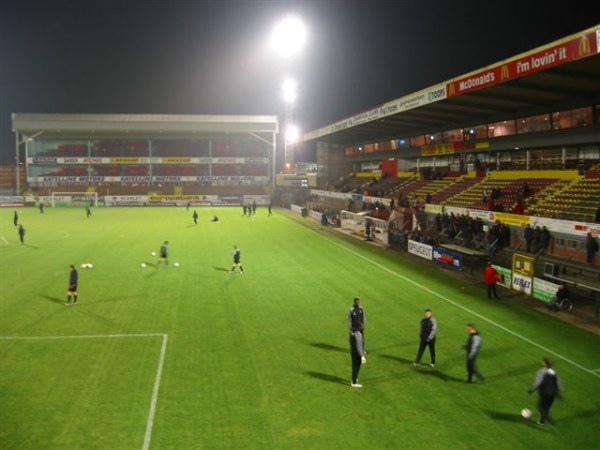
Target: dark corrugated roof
<point x="570" y="85"/>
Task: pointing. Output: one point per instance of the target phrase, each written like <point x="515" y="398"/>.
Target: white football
<point x="176" y="264"/>
<point x="90" y="266"/>
<point x="142" y="265"/>
<point x="526" y="413"/>
<point x="153" y="253"/>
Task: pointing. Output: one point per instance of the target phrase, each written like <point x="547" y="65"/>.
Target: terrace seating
<point x="383" y="186"/>
<point x="461" y="184"/>
<point x="353" y="184"/>
<point x="433" y="187"/>
<point x="511" y="192"/>
<point x="577" y="200"/>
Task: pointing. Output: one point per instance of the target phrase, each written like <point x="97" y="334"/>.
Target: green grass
<point x="261" y="360"/>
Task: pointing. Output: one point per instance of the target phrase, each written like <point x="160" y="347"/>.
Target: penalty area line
<point x="595" y="373"/>
<point x="157" y="376"/>
<point x="153" y="401"/>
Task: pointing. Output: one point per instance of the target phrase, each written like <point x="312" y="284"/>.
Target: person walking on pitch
<point x="547" y="383"/>
<point x="21" y="231"/>
<point x="164" y="253"/>
<point x="473" y="346"/>
<point x="72" y="289"/>
<point x="236" y="260"/>
<point x="427" y="334"/>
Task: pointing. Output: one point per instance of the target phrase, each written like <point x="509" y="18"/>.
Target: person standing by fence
<point x="491" y="277"/>
<point x="591" y="248"/>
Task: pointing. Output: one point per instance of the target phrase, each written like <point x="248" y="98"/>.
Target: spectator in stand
<point x="491" y="278"/>
<point x="519" y="208"/>
<point x="591" y="248"/>
<point x="598" y="215"/>
<point x="528" y="236"/>
<point x="526" y="189"/>
<point x="495" y="237"/>
<point x="537" y="239"/>
<point x="545" y="238"/>
<point x="505" y="235"/>
<point x="445" y="221"/>
<point x="428" y="198"/>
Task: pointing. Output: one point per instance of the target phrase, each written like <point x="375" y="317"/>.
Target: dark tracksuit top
<point x="428" y="329"/>
<point x="73" y="279"/>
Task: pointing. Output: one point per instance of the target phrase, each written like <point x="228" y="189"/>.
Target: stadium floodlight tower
<point x="290" y="95"/>
<point x="287" y="40"/>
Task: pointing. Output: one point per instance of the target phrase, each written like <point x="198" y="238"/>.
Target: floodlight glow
<point x="292" y="133"/>
<point x="288" y="37"/>
<point x="289" y="89"/>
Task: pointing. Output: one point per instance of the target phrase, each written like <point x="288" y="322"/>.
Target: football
<point x="176" y="264"/>
<point x="153" y="253"/>
<point x="142" y="265"/>
<point x="526" y="413"/>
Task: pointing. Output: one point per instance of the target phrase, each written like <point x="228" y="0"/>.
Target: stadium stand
<point x="576" y="200"/>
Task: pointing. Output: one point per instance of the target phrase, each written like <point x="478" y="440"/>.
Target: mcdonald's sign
<point x="561" y="53"/>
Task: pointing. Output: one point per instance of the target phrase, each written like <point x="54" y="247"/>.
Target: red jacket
<point x="490" y="275"/>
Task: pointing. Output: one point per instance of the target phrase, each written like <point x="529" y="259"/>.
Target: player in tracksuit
<point x="473" y="346"/>
<point x="236" y="260"/>
<point x="72" y="289"/>
<point x="164" y="253"/>
<point x="356" y="325"/>
<point x="427" y="334"/>
<point x="547" y="383"/>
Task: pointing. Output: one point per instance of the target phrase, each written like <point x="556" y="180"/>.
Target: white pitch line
<point x="157" y="378"/>
<point x="502" y="327"/>
<point x="152" y="411"/>
<point x="83" y="336"/>
<point x="595" y="370"/>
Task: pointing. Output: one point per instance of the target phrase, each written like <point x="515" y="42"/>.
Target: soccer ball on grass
<point x="526" y="413"/>
<point x="142" y="265"/>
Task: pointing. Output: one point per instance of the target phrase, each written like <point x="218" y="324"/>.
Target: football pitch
<point x="193" y="357"/>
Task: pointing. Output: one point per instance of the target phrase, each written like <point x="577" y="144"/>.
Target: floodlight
<point x="289" y="89"/>
<point x="292" y="133"/>
<point x="288" y="37"/>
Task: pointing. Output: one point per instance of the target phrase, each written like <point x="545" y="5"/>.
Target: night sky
<point x="212" y="57"/>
